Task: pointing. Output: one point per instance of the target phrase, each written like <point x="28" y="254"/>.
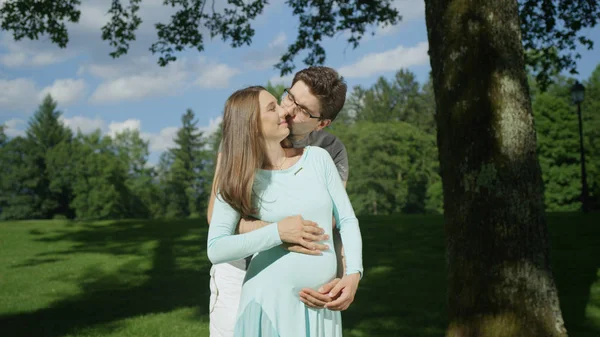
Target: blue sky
<point x="95" y="91"/>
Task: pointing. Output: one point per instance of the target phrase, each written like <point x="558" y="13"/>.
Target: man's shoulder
<point x="323" y="138"/>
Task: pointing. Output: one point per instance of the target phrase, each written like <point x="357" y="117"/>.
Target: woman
<point x="260" y="178"/>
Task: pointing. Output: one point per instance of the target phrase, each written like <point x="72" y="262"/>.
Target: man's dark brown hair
<point x="327" y="85"/>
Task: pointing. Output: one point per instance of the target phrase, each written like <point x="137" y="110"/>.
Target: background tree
<point x="3" y="137"/>
<point x="392" y="165"/>
<point x="18" y="182"/>
<point x="591" y="129"/>
<point x="401" y="99"/>
<point x="48" y="149"/>
<point x="427" y="107"/>
<point x="558" y="145"/>
<point x="133" y="153"/>
<point x="162" y="179"/>
<point x="187" y="186"/>
<point x="352" y="108"/>
<point x="100" y="179"/>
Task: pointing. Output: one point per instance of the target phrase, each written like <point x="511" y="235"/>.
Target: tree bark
<point x="500" y="280"/>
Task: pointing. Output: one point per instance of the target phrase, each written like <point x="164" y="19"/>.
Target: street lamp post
<point x="578" y="94"/>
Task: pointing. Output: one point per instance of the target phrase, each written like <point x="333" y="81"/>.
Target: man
<point x="315" y="98"/>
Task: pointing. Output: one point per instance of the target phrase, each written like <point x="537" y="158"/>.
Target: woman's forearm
<point x="250" y="225"/>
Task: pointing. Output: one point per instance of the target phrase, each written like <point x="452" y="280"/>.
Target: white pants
<point x="225" y="291"/>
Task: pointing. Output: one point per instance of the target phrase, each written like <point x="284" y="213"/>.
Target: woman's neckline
<point x="291" y="168"/>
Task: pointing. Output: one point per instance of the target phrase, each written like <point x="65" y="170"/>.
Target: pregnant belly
<point x="279" y="268"/>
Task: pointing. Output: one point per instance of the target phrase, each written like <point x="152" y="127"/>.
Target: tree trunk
<point x="500" y="280"/>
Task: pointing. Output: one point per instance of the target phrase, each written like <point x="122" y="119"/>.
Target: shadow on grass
<point x="177" y="277"/>
<point x="575" y="240"/>
<point x="403" y="292"/>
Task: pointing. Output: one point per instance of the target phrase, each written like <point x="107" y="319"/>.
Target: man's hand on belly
<point x="343" y="293"/>
<point x="318" y="299"/>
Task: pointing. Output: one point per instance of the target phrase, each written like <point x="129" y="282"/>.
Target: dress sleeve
<point x="224" y="245"/>
<point x="345" y="219"/>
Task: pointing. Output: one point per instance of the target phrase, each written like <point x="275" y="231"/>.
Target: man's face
<point x="303" y="107"/>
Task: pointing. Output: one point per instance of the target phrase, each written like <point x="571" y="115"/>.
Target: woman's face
<point x="272" y="118"/>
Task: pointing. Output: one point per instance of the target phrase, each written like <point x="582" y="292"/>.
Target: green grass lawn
<point x="150" y="278"/>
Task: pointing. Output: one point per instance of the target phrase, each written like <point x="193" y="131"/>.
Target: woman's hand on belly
<point x="317" y="299"/>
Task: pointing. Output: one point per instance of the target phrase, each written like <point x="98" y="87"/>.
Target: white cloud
<point x="278" y="41"/>
<point x="391" y="60"/>
<point x="137" y="80"/>
<point x="14" y="128"/>
<point x="136" y="87"/>
<point x="83" y="124"/>
<point x="409" y="10"/>
<point x="94" y="16"/>
<point x="15" y="59"/>
<point x="265" y="58"/>
<point x="212" y="126"/>
<point x="17" y="94"/>
<point x="163" y="140"/>
<point x="216" y="76"/>
<point x="65" y="91"/>
<point x="26" y="53"/>
<point x="129" y="124"/>
<point x="105" y="71"/>
<point x="142" y="77"/>
<point x="23" y="95"/>
<point x="159" y="142"/>
<point x="47" y="58"/>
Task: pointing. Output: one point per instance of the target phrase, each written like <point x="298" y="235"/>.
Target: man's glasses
<point x="288" y="97"/>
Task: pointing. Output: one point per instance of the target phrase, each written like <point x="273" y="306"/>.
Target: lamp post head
<point x="577" y="92"/>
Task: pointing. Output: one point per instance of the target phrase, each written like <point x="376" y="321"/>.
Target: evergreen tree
<point x="187" y="184"/>
<point x="47" y="150"/>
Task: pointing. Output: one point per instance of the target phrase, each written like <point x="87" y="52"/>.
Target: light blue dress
<point x="270" y="305"/>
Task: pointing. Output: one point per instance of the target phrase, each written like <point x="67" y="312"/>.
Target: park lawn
<point x="150" y="278"/>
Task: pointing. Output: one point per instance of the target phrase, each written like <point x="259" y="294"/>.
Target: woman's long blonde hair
<point x="243" y="149"/>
